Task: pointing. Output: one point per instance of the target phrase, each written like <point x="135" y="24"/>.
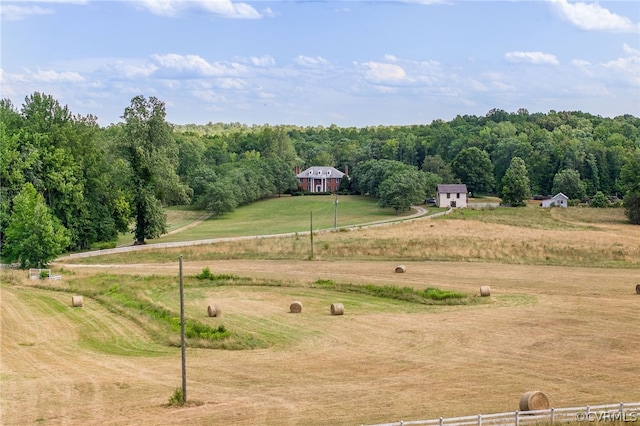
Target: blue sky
<point x="309" y="63"/>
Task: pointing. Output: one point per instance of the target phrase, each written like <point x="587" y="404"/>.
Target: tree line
<point x="68" y="184"/>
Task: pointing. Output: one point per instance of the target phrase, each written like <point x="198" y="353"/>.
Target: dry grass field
<point x="563" y="318"/>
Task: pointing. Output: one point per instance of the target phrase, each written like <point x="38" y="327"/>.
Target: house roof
<point x="453" y="188"/>
<point x="559" y="195"/>
<point x="316" y="171"/>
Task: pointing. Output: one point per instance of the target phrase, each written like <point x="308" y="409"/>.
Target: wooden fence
<point x="623" y="412"/>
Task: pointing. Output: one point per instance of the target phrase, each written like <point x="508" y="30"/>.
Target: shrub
<point x="205" y="274"/>
<point x="600" y="200"/>
<point x="177" y="398"/>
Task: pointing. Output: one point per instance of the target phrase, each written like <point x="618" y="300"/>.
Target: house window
<point x="458" y="195"/>
<point x="448" y="195"/>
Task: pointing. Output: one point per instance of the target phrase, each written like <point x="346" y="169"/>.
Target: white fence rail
<point x="623" y="412"/>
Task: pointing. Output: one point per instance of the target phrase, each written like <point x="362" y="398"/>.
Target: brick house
<point x="451" y="195"/>
<point x="319" y="179"/>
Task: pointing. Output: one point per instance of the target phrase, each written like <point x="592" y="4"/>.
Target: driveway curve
<point x="419" y="214"/>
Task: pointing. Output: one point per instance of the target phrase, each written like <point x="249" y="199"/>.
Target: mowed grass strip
<point x="287" y="214"/>
<point x="584" y="237"/>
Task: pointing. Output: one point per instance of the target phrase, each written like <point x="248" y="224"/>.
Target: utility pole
<point x="311" y="233"/>
<point x="184" y="361"/>
<point x="335" y="213"/>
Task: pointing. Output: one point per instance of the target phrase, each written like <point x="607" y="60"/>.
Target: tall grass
<point x="585" y="237"/>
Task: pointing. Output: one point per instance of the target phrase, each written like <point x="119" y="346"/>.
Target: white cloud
<point x="265" y="61"/>
<point x="127" y="70"/>
<point x="630" y="50"/>
<point x="532" y="58"/>
<point x="308" y="61"/>
<point x="225" y="8"/>
<point x="12" y="12"/>
<point x="382" y="72"/>
<point x="21" y="9"/>
<point x="628" y="66"/>
<point x="195" y="65"/>
<point x="231" y="83"/>
<point x="593" y="17"/>
<point x="50" y="76"/>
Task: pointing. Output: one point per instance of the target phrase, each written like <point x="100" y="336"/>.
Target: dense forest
<point x="69" y="184"/>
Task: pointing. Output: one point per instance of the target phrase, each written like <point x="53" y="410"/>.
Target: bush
<point x="600" y="200"/>
<point x="205" y="274"/>
<point x="177" y="398"/>
<point x="103" y="245"/>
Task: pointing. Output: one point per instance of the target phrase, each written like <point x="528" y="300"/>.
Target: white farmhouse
<point x="451" y="195"/>
<point x="558" y="200"/>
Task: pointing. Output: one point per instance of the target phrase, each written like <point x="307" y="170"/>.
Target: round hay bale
<point x="76" y="301"/>
<point x="400" y="269"/>
<point x="214" y="311"/>
<point x="533" y="400"/>
<point x="337" y="309"/>
<point x="638" y="289"/>
<point x="295" y="307"/>
<point x="485" y="291"/>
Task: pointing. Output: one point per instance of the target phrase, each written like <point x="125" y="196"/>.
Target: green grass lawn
<point x="282" y="215"/>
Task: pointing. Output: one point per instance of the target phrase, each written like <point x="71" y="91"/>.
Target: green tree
<point x="151" y="151"/>
<point x="515" y="184"/>
<point x="34" y="237"/>
<point x="630" y="176"/>
<point x="403" y="189"/>
<point x="568" y="182"/>
<point x="435" y="164"/>
<point x="599" y="200"/>
<point x="219" y="197"/>
<point x="474" y="168"/>
<point x="370" y="174"/>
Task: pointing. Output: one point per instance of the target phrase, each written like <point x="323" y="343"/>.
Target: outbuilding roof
<point x="459" y="188"/>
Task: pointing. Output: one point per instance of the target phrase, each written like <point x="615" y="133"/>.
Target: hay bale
<point x="400" y="269"/>
<point x="534" y="400"/>
<point x="337" y="309"/>
<point x="76" y="301"/>
<point x="485" y="291"/>
<point x="295" y="307"/>
<point x="214" y="311"/>
<point x="638" y="289"/>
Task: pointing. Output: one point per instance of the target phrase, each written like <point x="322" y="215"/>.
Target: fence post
<point x="517" y="418"/>
<point x="479" y="419"/>
<point x="588" y="412"/>
<point x="553" y="417"/>
<point x="441" y="421"/>
<point x="622" y="411"/>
